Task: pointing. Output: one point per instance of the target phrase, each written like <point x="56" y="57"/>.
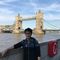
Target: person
<point x="31" y="48"/>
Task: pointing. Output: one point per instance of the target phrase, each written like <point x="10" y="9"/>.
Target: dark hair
<point x="28" y="29"/>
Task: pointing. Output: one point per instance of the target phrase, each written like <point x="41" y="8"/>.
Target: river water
<point x="8" y="39"/>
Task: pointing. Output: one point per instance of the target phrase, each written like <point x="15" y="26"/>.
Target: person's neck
<point x="28" y="38"/>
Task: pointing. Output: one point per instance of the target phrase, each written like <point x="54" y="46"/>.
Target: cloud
<point x="5" y="11"/>
<point x="51" y="12"/>
<point x="51" y="17"/>
<point x="52" y="7"/>
<point x="2" y="3"/>
<point x="6" y="16"/>
<point x="5" y="2"/>
<point x="55" y="9"/>
<point x="27" y="9"/>
<point x="7" y="20"/>
<point x="47" y="9"/>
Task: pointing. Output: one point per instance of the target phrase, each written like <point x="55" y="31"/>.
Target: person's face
<point x="28" y="34"/>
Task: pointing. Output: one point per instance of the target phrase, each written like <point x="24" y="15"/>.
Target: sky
<point x="10" y="8"/>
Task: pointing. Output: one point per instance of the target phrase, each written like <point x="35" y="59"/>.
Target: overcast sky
<point x="10" y="8"/>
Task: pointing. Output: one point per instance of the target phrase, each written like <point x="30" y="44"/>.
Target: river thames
<point x="8" y="39"/>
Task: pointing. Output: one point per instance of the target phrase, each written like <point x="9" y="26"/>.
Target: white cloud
<point x="6" y="16"/>
<point x="4" y="2"/>
<point x="7" y="0"/>
<point x="53" y="7"/>
<point x="51" y="17"/>
<point x="7" y="19"/>
<point x="5" y="11"/>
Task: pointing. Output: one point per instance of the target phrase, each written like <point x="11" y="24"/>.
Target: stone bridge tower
<point x="39" y="23"/>
<point x="18" y="24"/>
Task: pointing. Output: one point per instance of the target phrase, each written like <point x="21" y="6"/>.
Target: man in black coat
<point x="30" y="46"/>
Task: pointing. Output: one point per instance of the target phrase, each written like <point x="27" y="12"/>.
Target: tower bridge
<point x="39" y="23"/>
<point x="17" y="26"/>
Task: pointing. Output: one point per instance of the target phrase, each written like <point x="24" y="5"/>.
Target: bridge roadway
<point x="51" y="29"/>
